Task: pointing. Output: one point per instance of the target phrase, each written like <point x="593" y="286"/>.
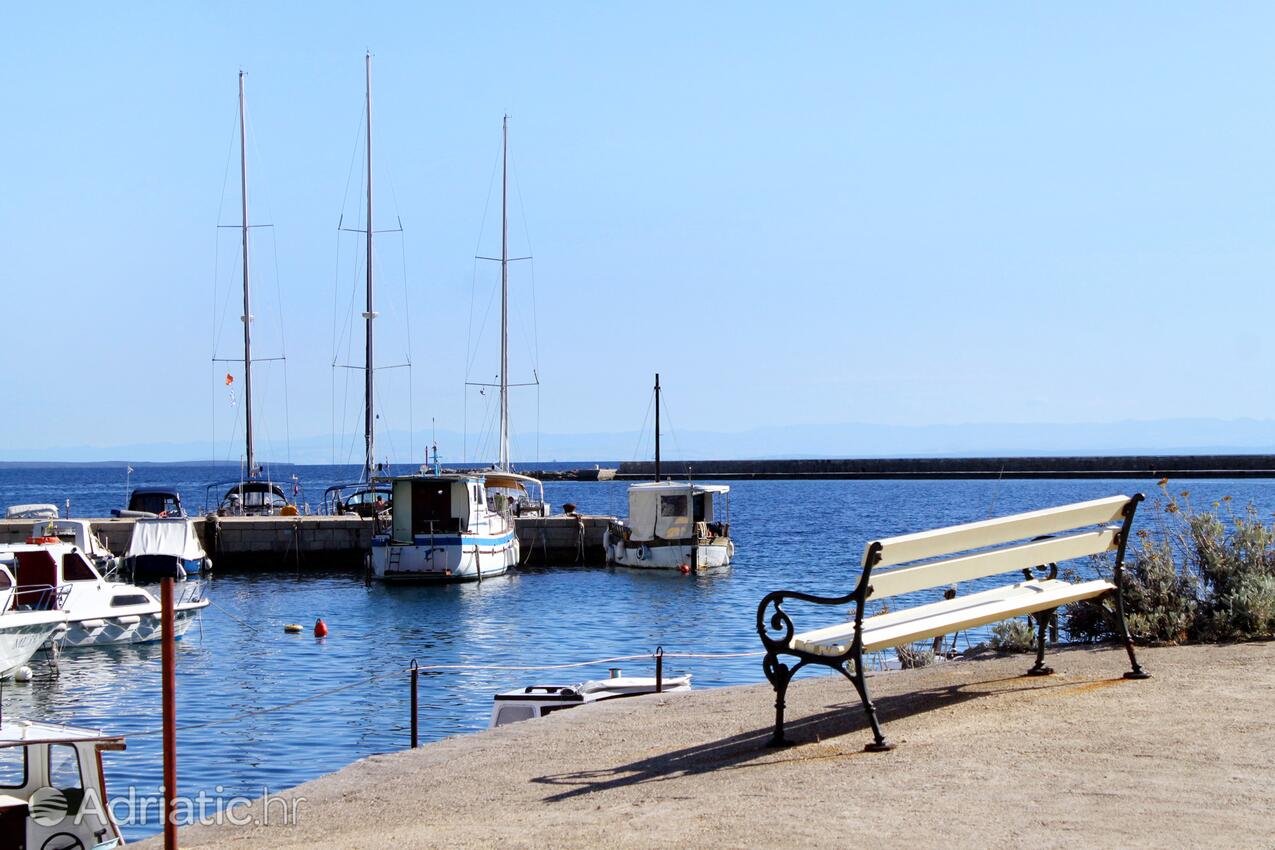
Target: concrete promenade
<point x="986" y="758"/>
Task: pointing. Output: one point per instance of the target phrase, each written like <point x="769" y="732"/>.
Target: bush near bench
<point x="1191" y="576"/>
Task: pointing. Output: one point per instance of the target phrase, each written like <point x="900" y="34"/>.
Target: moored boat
<point x="165" y="548"/>
<point x="539" y="700"/>
<point x="23" y="632"/>
<point x="54" y="790"/>
<point x="452" y="526"/>
<point x="56" y="577"/>
<point x="673" y="526"/>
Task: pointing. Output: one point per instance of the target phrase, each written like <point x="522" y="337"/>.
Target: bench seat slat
<point x="950" y="615"/>
<point x="991" y="532"/>
<point x="982" y="564"/>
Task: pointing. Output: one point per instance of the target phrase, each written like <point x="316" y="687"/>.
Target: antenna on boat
<point x="657" y="426"/>
<point x="247" y="302"/>
<point x="368" y="414"/>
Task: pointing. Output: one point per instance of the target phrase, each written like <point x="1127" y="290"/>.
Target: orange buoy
<point x="320" y="628"/>
<point x="684" y="569"/>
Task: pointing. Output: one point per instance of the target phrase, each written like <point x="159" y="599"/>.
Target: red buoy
<point x="684" y="569"/>
<point x="320" y="628"/>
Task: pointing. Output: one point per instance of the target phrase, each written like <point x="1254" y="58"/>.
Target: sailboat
<point x="366" y="497"/>
<point x="251" y="495"/>
<point x="460" y="526"/>
<point x="672" y="525"/>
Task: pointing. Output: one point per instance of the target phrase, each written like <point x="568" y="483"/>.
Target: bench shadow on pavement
<point x="748" y="749"/>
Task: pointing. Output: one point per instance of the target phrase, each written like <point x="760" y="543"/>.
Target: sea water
<point x="237" y="663"/>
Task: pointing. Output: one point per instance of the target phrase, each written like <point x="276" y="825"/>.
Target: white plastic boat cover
<point x="32" y="512"/>
<point x="176" y="537"/>
<point x="653" y="513"/>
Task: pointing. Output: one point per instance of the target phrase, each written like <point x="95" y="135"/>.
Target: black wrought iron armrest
<point x="780" y="622"/>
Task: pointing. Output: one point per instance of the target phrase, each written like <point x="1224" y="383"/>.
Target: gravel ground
<point x="986" y="757"/>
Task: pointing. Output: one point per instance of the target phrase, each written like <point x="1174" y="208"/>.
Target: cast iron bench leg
<point x="879" y="743"/>
<point x="780" y="675"/>
<point x="1042" y="622"/>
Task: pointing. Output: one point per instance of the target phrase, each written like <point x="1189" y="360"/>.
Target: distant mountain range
<point x="1158" y="436"/>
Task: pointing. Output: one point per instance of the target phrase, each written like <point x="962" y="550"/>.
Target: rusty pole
<point x="170" y="715"/>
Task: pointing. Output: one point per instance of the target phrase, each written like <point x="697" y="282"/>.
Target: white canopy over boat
<point x="661" y="510"/>
<point x="173" y="537"/>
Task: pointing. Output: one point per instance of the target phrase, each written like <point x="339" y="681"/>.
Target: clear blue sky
<point x="922" y="214"/>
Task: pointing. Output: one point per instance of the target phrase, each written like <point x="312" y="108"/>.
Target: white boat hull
<point x="667" y="557"/>
<point x="445" y="559"/>
<point x="141" y="626"/>
<point x="19" y="642"/>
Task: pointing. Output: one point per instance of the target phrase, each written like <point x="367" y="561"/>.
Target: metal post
<point x="657" y="426"/>
<point x="169" y="677"/>
<point x="415" y="668"/>
<point x="504" y="296"/>
<point x="369" y="414"/>
<point x="659" y="669"/>
<point x="247" y="300"/>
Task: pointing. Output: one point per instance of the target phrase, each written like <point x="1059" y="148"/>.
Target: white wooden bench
<point x="939" y="558"/>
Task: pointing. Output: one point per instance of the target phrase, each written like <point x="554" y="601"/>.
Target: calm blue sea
<point x="807" y="535"/>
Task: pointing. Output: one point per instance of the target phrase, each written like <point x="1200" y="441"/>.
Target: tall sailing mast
<point x="504" y="296"/>
<point x="247" y="302"/>
<point x="369" y="415"/>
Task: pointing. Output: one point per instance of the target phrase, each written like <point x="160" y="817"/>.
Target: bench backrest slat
<point x="992" y="532"/>
<point x="991" y="562"/>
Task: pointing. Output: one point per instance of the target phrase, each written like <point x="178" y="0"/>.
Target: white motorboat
<point x="56" y="578"/>
<point x="53" y="787"/>
<point x="22" y="633"/>
<point x="451" y="526"/>
<point x="539" y="700"/>
<point x="165" y="548"/>
<point x="673" y="526"/>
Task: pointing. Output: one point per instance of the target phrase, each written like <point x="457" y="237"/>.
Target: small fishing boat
<point x="672" y="525"/>
<point x="452" y="526"/>
<point x="152" y="502"/>
<point x="53" y="787"/>
<point x="539" y="700"/>
<point x="56" y="577"/>
<point x="165" y="548"/>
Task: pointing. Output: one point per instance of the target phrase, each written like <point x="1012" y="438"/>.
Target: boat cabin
<point x="456" y="503"/>
<point x="153" y="501"/>
<point x="77" y="532"/>
<point x="666" y="510"/>
<point x="46" y="574"/>
<point x="53" y="788"/>
<point x="360" y="499"/>
<point x="253" y="498"/>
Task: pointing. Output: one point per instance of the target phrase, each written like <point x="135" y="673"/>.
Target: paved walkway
<point x="986" y="758"/>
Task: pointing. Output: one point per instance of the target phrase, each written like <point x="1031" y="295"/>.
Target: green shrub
<point x="912" y="655"/>
<point x="1194" y="575"/>
<point x="1013" y="636"/>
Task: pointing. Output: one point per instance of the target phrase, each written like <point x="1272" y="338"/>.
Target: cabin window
<point x="75" y="568"/>
<point x="432" y="508"/>
<point x="64" y="767"/>
<point x="514" y="713"/>
<point x="13" y="767"/>
<point x="128" y="599"/>
<point x="5" y="581"/>
<point x="672" y="506"/>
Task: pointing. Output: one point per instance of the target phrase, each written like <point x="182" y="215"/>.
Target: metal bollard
<point x="416" y="673"/>
<point x="659" y="669"/>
